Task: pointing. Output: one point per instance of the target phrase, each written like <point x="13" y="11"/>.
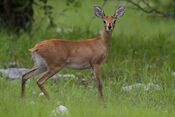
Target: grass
<point x="142" y="51"/>
<point x="83" y="102"/>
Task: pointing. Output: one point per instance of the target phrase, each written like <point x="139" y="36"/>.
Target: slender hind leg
<point x="28" y="75"/>
<point x="41" y="67"/>
<point x="45" y="77"/>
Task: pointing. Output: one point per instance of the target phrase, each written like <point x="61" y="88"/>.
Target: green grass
<point x="142" y="51"/>
<point x="83" y="102"/>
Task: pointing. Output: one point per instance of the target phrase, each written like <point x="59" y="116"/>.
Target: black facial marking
<point x="104" y="21"/>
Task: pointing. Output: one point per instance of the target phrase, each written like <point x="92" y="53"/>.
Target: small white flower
<point x="58" y="30"/>
<point x="68" y="30"/>
<point x="41" y="94"/>
<point x="173" y="74"/>
<point x="66" y="75"/>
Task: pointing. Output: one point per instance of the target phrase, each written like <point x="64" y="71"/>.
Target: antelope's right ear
<point x="99" y="12"/>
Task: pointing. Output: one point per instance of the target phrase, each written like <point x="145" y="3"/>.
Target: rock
<point x="13" y="73"/>
<point x="57" y="76"/>
<point x="152" y="86"/>
<point x="60" y="110"/>
<point x="16" y="73"/>
<point x="142" y="86"/>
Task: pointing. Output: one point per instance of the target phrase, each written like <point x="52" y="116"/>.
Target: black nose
<point x="109" y="27"/>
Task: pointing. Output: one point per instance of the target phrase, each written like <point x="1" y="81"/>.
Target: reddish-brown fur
<point x="84" y="54"/>
<point x="55" y="51"/>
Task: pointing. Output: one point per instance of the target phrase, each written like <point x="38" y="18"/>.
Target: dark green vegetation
<point x="142" y="51"/>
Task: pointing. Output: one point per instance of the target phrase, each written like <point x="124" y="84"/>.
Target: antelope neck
<point x="106" y="37"/>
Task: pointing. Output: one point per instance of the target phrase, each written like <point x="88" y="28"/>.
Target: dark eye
<point x="114" y="21"/>
<point x="104" y="21"/>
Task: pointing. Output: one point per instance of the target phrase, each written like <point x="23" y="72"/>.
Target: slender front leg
<point x="98" y="78"/>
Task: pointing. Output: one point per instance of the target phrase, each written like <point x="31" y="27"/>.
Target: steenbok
<point x="52" y="55"/>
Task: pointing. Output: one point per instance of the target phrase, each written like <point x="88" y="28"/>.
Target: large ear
<point x="119" y="12"/>
<point x="99" y="12"/>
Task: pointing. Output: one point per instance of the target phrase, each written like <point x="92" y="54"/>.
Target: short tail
<point x="33" y="49"/>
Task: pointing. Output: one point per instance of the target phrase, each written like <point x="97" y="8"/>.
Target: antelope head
<point x="109" y="21"/>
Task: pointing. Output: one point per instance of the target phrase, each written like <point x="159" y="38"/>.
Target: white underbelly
<point x="77" y="66"/>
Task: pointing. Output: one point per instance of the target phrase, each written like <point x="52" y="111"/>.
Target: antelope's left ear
<point x="119" y="12"/>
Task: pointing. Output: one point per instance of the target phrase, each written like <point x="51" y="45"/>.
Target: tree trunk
<point x="16" y="14"/>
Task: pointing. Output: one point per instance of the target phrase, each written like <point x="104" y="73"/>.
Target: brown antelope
<point x="52" y="55"/>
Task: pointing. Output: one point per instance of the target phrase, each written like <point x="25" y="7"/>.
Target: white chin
<point x="109" y="30"/>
